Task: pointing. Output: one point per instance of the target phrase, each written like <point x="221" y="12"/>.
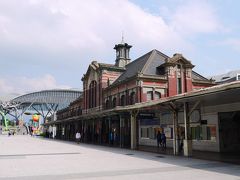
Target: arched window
<point x="114" y="102"/>
<point x="157" y="95"/>
<point x="107" y="104"/>
<point x="92" y="95"/>
<point x="132" y="98"/>
<point x="179" y="79"/>
<point x="123" y="100"/>
<point x="149" y="95"/>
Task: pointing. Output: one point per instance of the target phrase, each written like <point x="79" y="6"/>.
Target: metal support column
<point x="175" y="134"/>
<point x="133" y="129"/>
<point x="188" y="139"/>
<point x="109" y="130"/>
<point x="176" y="142"/>
<point x="120" y="130"/>
<point x="93" y="131"/>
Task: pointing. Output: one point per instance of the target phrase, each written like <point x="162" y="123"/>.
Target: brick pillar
<point x="172" y="81"/>
<point x="137" y="94"/>
<point x="97" y="93"/>
<point x="127" y="97"/>
<point x="188" y="80"/>
<point x="118" y="99"/>
<point x="100" y="95"/>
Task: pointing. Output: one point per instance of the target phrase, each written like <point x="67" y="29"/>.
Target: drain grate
<point x="160" y="156"/>
<point x="42" y="154"/>
<point x="129" y="154"/>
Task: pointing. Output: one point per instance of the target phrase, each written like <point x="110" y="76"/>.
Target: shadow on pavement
<point x="208" y="161"/>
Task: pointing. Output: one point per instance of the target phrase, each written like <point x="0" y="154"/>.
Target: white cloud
<point x="195" y="17"/>
<point x="25" y="84"/>
<point x="93" y="26"/>
<point x="40" y="83"/>
<point x="233" y="43"/>
<point x="84" y="24"/>
<point x="68" y="34"/>
<point x="5" y="87"/>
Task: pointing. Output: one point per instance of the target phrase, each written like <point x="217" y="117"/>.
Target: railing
<point x="69" y="114"/>
<point x="91" y="110"/>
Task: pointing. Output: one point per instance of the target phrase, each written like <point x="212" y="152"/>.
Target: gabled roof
<point x="155" y="60"/>
<point x="95" y="65"/>
<point x="198" y="77"/>
<point x="145" y="65"/>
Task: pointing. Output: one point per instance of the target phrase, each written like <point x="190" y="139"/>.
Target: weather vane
<point x="122" y="37"/>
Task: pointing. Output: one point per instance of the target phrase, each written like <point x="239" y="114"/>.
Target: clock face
<point x="195" y="116"/>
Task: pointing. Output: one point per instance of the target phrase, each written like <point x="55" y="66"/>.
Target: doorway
<point x="229" y="131"/>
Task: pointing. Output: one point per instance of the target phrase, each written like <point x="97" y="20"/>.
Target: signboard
<point x="168" y="132"/>
<point x="146" y="115"/>
<point x="149" y="122"/>
<point x="148" y="119"/>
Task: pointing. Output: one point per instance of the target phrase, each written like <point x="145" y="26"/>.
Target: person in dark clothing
<point x="111" y="137"/>
<point x="163" y="137"/>
<point x="181" y="142"/>
<point x="159" y="139"/>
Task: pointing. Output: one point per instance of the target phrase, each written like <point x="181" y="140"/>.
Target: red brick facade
<point x="104" y="87"/>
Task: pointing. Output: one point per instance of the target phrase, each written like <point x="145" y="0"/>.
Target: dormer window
<point x="160" y="70"/>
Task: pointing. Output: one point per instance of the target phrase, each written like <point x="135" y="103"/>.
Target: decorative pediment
<point x="91" y="68"/>
<point x="178" y="59"/>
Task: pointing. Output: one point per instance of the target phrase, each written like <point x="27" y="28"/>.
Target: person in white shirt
<point x="78" y="137"/>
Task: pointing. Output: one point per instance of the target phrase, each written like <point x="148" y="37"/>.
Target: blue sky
<point x="49" y="44"/>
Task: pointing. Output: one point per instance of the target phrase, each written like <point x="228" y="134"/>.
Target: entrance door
<point x="229" y="131"/>
<point x="126" y="133"/>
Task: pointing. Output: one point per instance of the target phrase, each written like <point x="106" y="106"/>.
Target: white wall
<point x="209" y="113"/>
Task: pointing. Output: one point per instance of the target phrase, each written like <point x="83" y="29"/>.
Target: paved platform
<point x="25" y="158"/>
<point x="213" y="156"/>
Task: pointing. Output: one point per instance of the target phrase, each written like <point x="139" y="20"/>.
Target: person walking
<point x="163" y="137"/>
<point x="111" y="137"/>
<point x="78" y="137"/>
<point x="159" y="139"/>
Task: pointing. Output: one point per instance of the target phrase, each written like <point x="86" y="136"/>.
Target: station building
<point x="125" y="104"/>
